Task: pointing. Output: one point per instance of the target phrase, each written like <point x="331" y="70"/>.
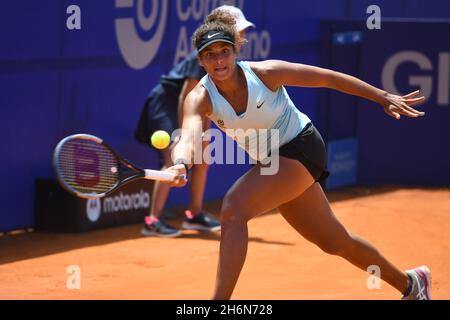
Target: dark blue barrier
<point x="409" y="151"/>
<point x="402" y="57"/>
<point x="56" y="81"/>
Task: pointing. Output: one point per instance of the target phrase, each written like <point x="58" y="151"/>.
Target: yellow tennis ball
<point x="160" y="139"/>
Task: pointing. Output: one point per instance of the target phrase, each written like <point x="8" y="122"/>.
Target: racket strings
<point x="87" y="166"/>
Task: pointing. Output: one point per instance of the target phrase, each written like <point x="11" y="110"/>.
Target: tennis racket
<point x="88" y="168"/>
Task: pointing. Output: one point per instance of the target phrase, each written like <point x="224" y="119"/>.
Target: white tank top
<point x="265" y="110"/>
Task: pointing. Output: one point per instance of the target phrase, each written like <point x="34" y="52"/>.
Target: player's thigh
<point x="311" y="215"/>
<point x="253" y="193"/>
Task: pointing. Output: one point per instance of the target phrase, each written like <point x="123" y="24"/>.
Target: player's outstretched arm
<point x="276" y="73"/>
<point x="196" y="107"/>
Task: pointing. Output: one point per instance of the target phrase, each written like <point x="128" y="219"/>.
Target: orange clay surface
<point x="409" y="226"/>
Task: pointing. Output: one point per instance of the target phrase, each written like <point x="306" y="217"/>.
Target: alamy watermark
<point x="261" y="144"/>
<point x="374" y="20"/>
<point x="73" y="21"/>
<point x="374" y="280"/>
<point x="73" y="281"/>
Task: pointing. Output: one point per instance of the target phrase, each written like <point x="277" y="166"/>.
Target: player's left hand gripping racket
<point x="88" y="168"/>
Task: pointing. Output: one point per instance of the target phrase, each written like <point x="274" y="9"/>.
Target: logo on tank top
<point x="221" y="123"/>
<point x="140" y="34"/>
<point x="260" y="105"/>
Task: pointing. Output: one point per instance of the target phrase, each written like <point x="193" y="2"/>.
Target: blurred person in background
<point x="163" y="111"/>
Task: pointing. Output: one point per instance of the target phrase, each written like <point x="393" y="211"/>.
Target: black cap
<point x="212" y="37"/>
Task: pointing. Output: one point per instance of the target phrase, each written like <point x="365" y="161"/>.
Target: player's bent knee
<point x="231" y="213"/>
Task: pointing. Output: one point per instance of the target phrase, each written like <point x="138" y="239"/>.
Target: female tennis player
<point x="249" y="95"/>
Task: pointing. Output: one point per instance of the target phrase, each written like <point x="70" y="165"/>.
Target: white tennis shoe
<point x="421" y="284"/>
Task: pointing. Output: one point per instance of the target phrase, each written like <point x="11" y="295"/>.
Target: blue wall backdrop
<point x="55" y="81"/>
<point x="402" y="57"/>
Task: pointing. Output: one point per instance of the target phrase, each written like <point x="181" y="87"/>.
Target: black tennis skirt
<point x="308" y="148"/>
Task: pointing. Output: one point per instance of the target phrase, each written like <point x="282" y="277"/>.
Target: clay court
<point x="410" y="226"/>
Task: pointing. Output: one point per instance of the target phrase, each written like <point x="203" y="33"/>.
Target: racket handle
<point x="159" y="175"/>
